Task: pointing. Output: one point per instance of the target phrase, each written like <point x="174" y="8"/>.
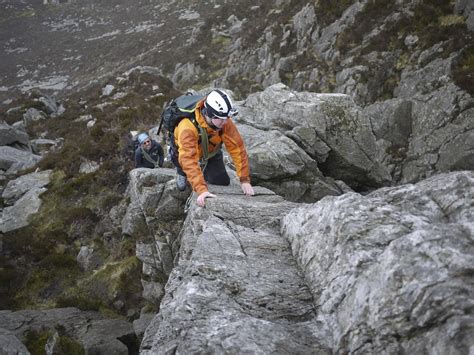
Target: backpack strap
<point x="148" y="157"/>
<point x="205" y="144"/>
<point x="203" y="140"/>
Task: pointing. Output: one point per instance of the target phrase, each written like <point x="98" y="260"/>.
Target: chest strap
<point x="149" y="158"/>
<point x="206" y="155"/>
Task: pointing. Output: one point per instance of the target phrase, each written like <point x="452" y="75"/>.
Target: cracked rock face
<point x="236" y="287"/>
<point x="91" y="330"/>
<point x="391" y="272"/>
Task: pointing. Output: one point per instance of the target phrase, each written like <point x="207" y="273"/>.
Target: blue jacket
<point x="155" y="153"/>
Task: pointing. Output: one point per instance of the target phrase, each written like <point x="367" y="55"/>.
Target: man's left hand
<point x="247" y="189"/>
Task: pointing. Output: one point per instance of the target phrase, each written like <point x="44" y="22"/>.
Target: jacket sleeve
<point x="138" y="158"/>
<point x="187" y="138"/>
<point x="236" y="148"/>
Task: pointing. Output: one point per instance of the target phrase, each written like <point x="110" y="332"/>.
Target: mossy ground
<point x="432" y="22"/>
<point x="38" y="267"/>
<point x="36" y="342"/>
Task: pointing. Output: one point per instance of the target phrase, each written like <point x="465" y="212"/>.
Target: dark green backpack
<point x="183" y="107"/>
<point x="179" y="108"/>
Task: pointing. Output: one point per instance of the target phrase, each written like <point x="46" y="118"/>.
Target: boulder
<point x="52" y="107"/>
<point x="152" y="219"/>
<point x="236" y="288"/>
<point x="442" y="129"/>
<point x="140" y="324"/>
<point x="96" y="334"/>
<point x="13" y="160"/>
<point x="42" y="145"/>
<point x="88" y="258"/>
<point x="391" y="271"/>
<point x="10" y="344"/>
<point x="10" y="135"/>
<point x="21" y="185"/>
<point x="32" y="115"/>
<point x="16" y="216"/>
<point x="330" y="128"/>
<point x="88" y="167"/>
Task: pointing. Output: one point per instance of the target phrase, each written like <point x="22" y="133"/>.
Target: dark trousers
<point x="214" y="171"/>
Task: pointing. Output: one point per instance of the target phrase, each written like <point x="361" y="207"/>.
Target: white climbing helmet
<point x="218" y="105"/>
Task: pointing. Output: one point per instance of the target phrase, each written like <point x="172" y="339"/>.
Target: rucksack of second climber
<point x="132" y="144"/>
<point x="177" y="109"/>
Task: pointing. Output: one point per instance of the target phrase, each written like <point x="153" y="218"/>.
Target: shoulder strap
<point x="205" y="144"/>
<point x="148" y="157"/>
<point x="203" y="140"/>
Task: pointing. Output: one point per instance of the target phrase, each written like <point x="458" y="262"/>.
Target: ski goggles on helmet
<point x="210" y="115"/>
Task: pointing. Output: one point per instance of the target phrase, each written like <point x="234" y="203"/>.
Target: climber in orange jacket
<point x="213" y="114"/>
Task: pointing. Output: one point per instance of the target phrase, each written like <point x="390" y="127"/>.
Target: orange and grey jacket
<point x="186" y="138"/>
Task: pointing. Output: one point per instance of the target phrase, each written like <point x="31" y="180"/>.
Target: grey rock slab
<point x="391" y="271"/>
<point x="10" y="344"/>
<point x="32" y="115"/>
<point x="274" y="155"/>
<point x="16" y="216"/>
<point x="323" y="44"/>
<point x="140" y="324"/>
<point x="19" y="186"/>
<point x="441" y="137"/>
<point x="236" y="287"/>
<point x="88" y="258"/>
<point x="14" y="160"/>
<point x="10" y="134"/>
<point x="96" y="334"/>
<point x="329" y="127"/>
<point x="42" y="145"/>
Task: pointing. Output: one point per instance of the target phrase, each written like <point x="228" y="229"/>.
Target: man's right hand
<point x="201" y="200"/>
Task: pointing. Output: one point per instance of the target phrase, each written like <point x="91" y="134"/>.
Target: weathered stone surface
<point x="16" y="216"/>
<point x="52" y="107"/>
<point x="32" y="115"/>
<point x="88" y="258"/>
<point x="391" y="272"/>
<point x="363" y="82"/>
<point x="236" y="287"/>
<point x="323" y="44"/>
<point x="152" y="219"/>
<point x="391" y="120"/>
<point x="14" y="160"/>
<point x="10" y="134"/>
<point x="88" y="167"/>
<point x="96" y="334"/>
<point x="10" y="344"/>
<point x="41" y="145"/>
<point x="19" y="186"/>
<point x="442" y="128"/>
<point x="140" y="324"/>
<point x="329" y="127"/>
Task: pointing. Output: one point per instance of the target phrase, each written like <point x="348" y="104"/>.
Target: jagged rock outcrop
<point x="94" y="333"/>
<point x="19" y="186"/>
<point x="305" y="131"/>
<point x="13" y="160"/>
<point x="15" y="149"/>
<point x="386" y="272"/>
<point x="10" y="135"/>
<point x="10" y="344"/>
<point x="236" y="287"/>
<point x="296" y="135"/>
<point x="428" y="128"/>
<point x="391" y="272"/>
<point x="22" y="198"/>
<point x="152" y="219"/>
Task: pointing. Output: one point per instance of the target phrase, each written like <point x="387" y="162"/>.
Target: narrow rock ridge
<point x="236" y="288"/>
